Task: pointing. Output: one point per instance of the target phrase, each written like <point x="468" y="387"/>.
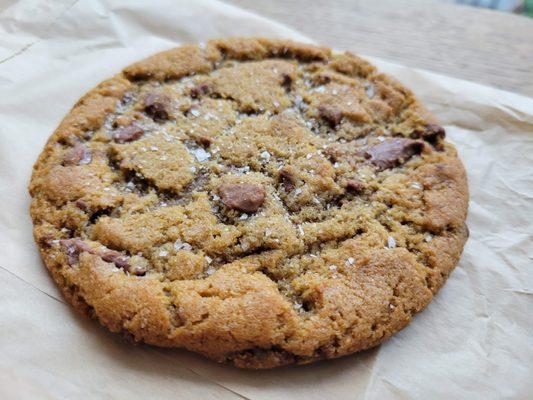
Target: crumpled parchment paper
<point x="474" y="341"/>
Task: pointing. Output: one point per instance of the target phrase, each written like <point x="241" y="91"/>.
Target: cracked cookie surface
<point x="261" y="202"/>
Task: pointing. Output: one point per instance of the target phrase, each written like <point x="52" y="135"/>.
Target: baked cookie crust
<point x="261" y="202"/>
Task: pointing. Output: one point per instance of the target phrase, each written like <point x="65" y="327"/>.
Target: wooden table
<point x="480" y="45"/>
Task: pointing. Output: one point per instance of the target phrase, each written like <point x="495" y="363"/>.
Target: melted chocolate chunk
<point x="331" y="114"/>
<point x="355" y="185"/>
<point x="128" y="133"/>
<point x="287" y="179"/>
<point x="393" y="152"/>
<point x="200" y="90"/>
<point x="82" y="205"/>
<point x="74" y="247"/>
<point x="156" y="106"/>
<point x="77" y="155"/>
<point x="244" y="197"/>
<point x="433" y="134"/>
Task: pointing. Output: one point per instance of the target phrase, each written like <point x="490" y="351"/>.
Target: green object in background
<point x="528" y="10"/>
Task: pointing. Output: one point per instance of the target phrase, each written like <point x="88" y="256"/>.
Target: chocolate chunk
<point x="204" y="141"/>
<point x="355" y="185"/>
<point x="77" y="155"/>
<point x="128" y="133"/>
<point x="286" y="81"/>
<point x="46" y="240"/>
<point x="74" y="247"/>
<point x="393" y="152"/>
<point x="331" y="114"/>
<point x="156" y="106"/>
<point x="287" y="179"/>
<point x="200" y="90"/>
<point x="433" y="134"/>
<point x="82" y="205"/>
<point x="244" y="197"/>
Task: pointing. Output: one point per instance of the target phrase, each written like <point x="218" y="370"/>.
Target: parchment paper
<point x="473" y="341"/>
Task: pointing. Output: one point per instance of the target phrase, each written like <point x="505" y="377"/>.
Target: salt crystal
<point x="154" y="148"/>
<point x="308" y="156"/>
<point x="130" y="185"/>
<point x="297" y="191"/>
<point x="193" y="169"/>
<point x="163" y="253"/>
<point x="297" y="306"/>
<point x="195" y="112"/>
<point x="216" y="198"/>
<point x="336" y="165"/>
<point x="265" y="155"/>
<point x="416" y="185"/>
<point x="178" y="245"/>
<point x="107" y="189"/>
<point x="350" y="261"/>
<point x="301" y="230"/>
<point x="320" y="89"/>
<point x="268" y="232"/>
<point x="244" y="216"/>
<point x="332" y="267"/>
<point x="201" y="155"/>
<point x="210" y="271"/>
<point x="208" y="259"/>
<point x="381" y="138"/>
<point x="428" y="238"/>
<point x="391" y="243"/>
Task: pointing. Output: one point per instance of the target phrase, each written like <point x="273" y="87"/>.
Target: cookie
<point x="261" y="202"/>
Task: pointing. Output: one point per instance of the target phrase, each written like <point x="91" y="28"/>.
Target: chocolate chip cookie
<point x="261" y="202"/>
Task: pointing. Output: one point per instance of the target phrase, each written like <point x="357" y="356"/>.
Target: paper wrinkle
<point x="472" y="342"/>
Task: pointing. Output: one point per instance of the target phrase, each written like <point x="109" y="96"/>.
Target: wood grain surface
<point x="484" y="46"/>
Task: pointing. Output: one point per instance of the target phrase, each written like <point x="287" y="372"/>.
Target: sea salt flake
<point x="210" y="271"/>
<point x="244" y="216"/>
<point x="268" y="232"/>
<point x="336" y="165"/>
<point x="391" y="243"/>
<point x="216" y="197"/>
<point x="308" y="156"/>
<point x="381" y="138"/>
<point x="297" y="191"/>
<point x="297" y="306"/>
<point x="208" y="259"/>
<point x="332" y="267"/>
<point x="301" y="230"/>
<point x="265" y="155"/>
<point x="201" y="155"/>
<point x="428" y="238"/>
<point x="350" y="261"/>
<point x="163" y="253"/>
<point x="416" y="185"/>
<point x="154" y="148"/>
<point x="178" y="245"/>
<point x="195" y="112"/>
